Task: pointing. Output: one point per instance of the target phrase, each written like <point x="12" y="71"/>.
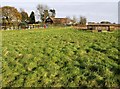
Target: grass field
<point x="56" y="57"/>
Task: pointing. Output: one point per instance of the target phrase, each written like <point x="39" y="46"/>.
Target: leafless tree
<point x="83" y="20"/>
<point x="41" y="8"/>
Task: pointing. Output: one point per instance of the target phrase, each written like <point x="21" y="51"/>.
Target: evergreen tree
<point x="32" y="18"/>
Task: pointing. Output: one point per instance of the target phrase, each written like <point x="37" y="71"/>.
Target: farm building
<point x="117" y="26"/>
<point x="98" y="27"/>
<point x="103" y="27"/>
<point x="64" y="21"/>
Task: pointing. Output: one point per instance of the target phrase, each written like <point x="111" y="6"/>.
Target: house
<point x="63" y="21"/>
<point x="49" y="20"/>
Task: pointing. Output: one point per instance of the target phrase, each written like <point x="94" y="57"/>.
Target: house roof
<point x="62" y="20"/>
<point x="67" y="20"/>
<point x="99" y="24"/>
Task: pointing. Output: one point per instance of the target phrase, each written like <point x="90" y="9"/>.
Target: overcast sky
<point x="93" y="10"/>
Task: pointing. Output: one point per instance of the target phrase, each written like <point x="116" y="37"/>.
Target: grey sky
<point x="94" y="10"/>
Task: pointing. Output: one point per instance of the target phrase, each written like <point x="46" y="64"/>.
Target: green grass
<point x="56" y="57"/>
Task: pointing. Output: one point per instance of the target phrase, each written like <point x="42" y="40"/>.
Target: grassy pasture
<point x="56" y="57"/>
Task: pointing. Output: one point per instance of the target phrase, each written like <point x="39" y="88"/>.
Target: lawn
<point x="60" y="57"/>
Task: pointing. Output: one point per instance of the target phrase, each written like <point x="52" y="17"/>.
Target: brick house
<point x="63" y="21"/>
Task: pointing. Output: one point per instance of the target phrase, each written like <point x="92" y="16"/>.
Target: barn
<point x="102" y="27"/>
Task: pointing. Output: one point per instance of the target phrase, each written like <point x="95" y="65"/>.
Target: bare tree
<point x="41" y="8"/>
<point x="52" y="13"/>
<point x="22" y="10"/>
<point x="83" y="20"/>
<point x="68" y="17"/>
<point x="74" y="19"/>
